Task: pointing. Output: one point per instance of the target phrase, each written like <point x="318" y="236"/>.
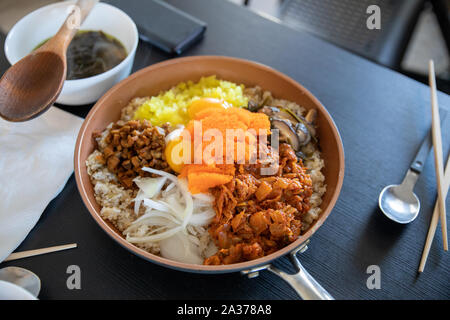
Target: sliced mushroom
<point x="253" y="106"/>
<point x="270" y="111"/>
<point x="287" y="132"/>
<point x="294" y="129"/>
<point x="303" y="133"/>
<point x="307" y="121"/>
<point x="301" y="155"/>
<point x="279" y="113"/>
<point x="311" y="116"/>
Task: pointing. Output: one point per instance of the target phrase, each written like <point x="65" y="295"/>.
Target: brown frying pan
<point x="162" y="76"/>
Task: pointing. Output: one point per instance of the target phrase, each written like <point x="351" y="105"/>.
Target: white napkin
<point x="36" y="160"/>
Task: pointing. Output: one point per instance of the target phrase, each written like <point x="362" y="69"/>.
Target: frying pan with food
<point x="162" y="76"/>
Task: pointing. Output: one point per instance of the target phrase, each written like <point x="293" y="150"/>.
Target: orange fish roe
<point x="216" y="121"/>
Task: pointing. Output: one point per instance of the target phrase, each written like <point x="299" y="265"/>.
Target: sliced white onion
<point x="150" y="186"/>
<point x="169" y="187"/>
<point x="203" y="197"/>
<point x="182" y="184"/>
<point x="169" y="176"/>
<point x="137" y="201"/>
<point x="170" y="219"/>
<point x="179" y="248"/>
<point x="148" y="217"/>
<point x="155" y="237"/>
<point x="156" y="204"/>
<point x="176" y="208"/>
<point x="202" y="219"/>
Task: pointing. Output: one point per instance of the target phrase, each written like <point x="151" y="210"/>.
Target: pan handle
<point x="302" y="282"/>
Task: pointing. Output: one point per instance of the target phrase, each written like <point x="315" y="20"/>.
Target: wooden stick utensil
<point x="437" y="144"/>
<point x="434" y="220"/>
<point x="31" y="253"/>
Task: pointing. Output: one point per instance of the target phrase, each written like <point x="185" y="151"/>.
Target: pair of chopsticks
<point x="442" y="182"/>
<point x="31" y="253"/>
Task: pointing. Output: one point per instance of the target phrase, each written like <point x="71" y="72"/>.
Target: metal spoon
<point x="33" y="84"/>
<point x="23" y="278"/>
<point x="399" y="202"/>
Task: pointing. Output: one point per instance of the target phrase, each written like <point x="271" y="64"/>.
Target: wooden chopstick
<point x="30" y="253"/>
<point x="437" y="144"/>
<point x="434" y="220"/>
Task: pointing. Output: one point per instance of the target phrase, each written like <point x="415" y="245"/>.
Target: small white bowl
<point x="43" y="23"/>
<point x="10" y="291"/>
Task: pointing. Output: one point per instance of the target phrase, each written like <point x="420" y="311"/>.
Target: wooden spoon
<point x="31" y="86"/>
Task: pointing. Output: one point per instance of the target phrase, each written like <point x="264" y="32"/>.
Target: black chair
<point x="343" y="22"/>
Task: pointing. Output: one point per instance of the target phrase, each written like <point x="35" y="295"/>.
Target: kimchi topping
<point x="257" y="215"/>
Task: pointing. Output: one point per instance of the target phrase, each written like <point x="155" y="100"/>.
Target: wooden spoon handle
<point x="61" y="40"/>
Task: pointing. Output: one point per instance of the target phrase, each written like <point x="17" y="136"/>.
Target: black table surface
<point x="382" y="117"/>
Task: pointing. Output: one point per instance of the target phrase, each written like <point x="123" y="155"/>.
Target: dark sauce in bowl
<point x="91" y="53"/>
